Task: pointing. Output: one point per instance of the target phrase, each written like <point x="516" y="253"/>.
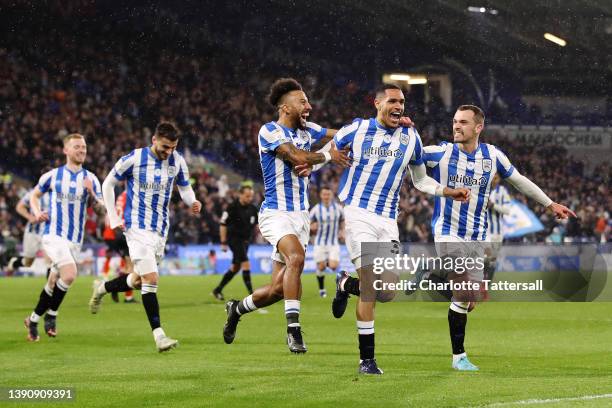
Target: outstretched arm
<point x="329" y="135"/>
<point x="295" y="156"/>
<point x="531" y="190"/>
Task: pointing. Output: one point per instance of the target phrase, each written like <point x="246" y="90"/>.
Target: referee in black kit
<point x="236" y="230"/>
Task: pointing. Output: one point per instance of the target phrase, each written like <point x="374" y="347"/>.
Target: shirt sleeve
<point x="504" y="167"/>
<point x="270" y="137"/>
<point x="433" y="154"/>
<point x="97" y="188"/>
<point x="417" y="154"/>
<point x="316" y="132"/>
<point x="26" y="199"/>
<point x="182" y="178"/>
<point x="123" y="168"/>
<point x="346" y="135"/>
<point x="44" y="183"/>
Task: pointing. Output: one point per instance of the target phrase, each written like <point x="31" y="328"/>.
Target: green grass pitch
<point x="525" y="351"/>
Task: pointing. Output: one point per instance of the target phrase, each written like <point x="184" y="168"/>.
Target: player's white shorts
<point x="324" y="253"/>
<point x="32" y="243"/>
<point x="275" y="224"/>
<point x="456" y="247"/>
<point x="146" y="250"/>
<point x="60" y="251"/>
<point x="364" y="226"/>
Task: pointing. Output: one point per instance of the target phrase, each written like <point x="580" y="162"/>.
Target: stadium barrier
<point x="211" y="260"/>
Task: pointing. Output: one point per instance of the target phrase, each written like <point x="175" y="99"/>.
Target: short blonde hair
<point x="71" y="136"/>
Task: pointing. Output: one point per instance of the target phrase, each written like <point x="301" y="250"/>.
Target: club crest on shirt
<point x="304" y="136"/>
<point x="404" y="138"/>
<point x="171" y="171"/>
<point x="487" y="165"/>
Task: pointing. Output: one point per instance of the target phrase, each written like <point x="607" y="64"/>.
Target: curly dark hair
<point x="280" y="88"/>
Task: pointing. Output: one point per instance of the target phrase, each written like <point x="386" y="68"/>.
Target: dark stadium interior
<point x="112" y="73"/>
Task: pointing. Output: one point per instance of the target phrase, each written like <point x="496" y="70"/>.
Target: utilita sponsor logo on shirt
<point x="69" y="197"/>
<point x="466" y="180"/>
<point x="382" y="152"/>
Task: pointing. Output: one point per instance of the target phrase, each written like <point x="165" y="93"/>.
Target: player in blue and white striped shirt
<point x="70" y="188"/>
<point x="326" y="222"/>
<point x="283" y="221"/>
<point x="462" y="227"/>
<point x="382" y="152"/>
<point x="499" y="205"/>
<point x="33" y="232"/>
<point x="150" y="174"/>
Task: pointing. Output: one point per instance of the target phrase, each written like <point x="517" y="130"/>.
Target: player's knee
<point x="68" y="273"/>
<point x="296" y="261"/>
<point x="149" y="279"/>
<point x="27" y="262"/>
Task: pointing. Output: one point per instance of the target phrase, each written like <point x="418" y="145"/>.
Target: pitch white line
<point x="547" y="401"/>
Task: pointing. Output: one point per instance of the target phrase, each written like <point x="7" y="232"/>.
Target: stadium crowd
<point x="115" y="97"/>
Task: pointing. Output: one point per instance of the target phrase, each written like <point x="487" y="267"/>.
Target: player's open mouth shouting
<point x="304" y="118"/>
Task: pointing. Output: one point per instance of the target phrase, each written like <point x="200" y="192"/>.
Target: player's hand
<point x="561" y="211"/>
<point x="461" y="194"/>
<point x="224" y="247"/>
<point x="88" y="184"/>
<point x="303" y="170"/>
<point x="41" y="217"/>
<point x="340" y="156"/>
<point x="32" y="219"/>
<point x="120" y="225"/>
<point x="196" y="207"/>
<point x="405" y="121"/>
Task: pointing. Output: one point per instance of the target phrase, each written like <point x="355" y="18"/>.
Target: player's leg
<point x="333" y="261"/>
<point x="320" y="273"/>
<point x="227" y="277"/>
<point x="245" y="265"/>
<point x="292" y="251"/>
<point x="365" y="334"/>
<point x="261" y="297"/>
<point x="461" y="304"/>
<point x="151" y="304"/>
<point x="122" y="283"/>
<point x="31" y="244"/>
<point x="40" y="309"/>
<point x="457" y="322"/>
<point x="246" y="276"/>
<point x="58" y="250"/>
<point x="129" y="269"/>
